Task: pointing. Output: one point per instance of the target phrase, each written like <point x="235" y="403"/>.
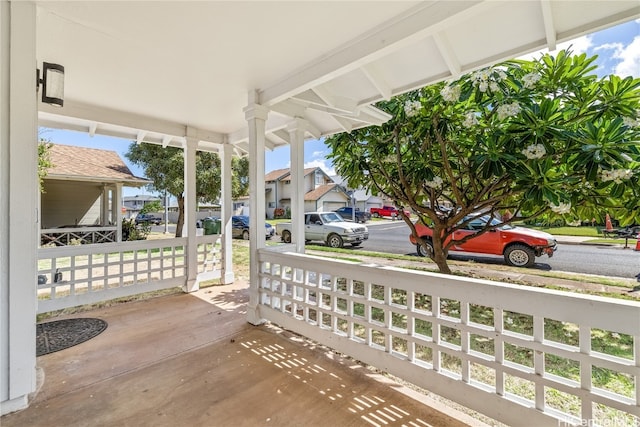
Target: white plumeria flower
<point x="470" y="120"/>
<point x="494" y="86"/>
<point x="508" y="110"/>
<point x="616" y="175"/>
<point x="560" y="208"/>
<point x="530" y="80"/>
<point x="436" y="182"/>
<point x="615" y="335"/>
<point x="451" y="93"/>
<point x="483" y="86"/>
<point x="501" y="74"/>
<point x="632" y="122"/>
<point x="412" y="108"/>
<point x="508" y="320"/>
<point x="534" y="151"/>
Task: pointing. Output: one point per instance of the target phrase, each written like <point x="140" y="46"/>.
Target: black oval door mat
<point x="60" y="334"/>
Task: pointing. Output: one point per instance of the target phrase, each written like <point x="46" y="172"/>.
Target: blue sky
<point x="618" y="50"/>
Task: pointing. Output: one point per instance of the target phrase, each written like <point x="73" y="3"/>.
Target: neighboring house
<point x="134" y="204"/>
<point x="321" y="192"/>
<point x="364" y="200"/>
<point x="81" y="187"/>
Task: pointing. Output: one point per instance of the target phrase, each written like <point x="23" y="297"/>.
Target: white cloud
<point x="630" y="59"/>
<point x="578" y="46"/>
<point x="318" y="154"/>
<point x="322" y="164"/>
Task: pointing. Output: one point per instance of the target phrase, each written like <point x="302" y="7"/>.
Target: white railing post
<point x="190" y="204"/>
<point x="296" y="133"/>
<point x="256" y="116"/>
<point x="226" y="152"/>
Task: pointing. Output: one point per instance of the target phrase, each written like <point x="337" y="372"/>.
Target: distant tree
<point x="165" y="167"/>
<point x="153" y="206"/>
<point x="240" y="178"/>
<point x="44" y="160"/>
<point x="529" y="137"/>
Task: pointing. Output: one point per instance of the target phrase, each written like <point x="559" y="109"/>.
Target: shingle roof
<point x="285" y="174"/>
<point x="89" y="164"/>
<point x="319" y="192"/>
<point x="276" y="174"/>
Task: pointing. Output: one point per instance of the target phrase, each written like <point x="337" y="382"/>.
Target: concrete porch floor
<point x="192" y="360"/>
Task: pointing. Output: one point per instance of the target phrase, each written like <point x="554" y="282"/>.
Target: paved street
<point x="605" y="260"/>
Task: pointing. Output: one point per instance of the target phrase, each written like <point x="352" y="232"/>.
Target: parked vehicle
<point x="148" y="219"/>
<point x="391" y="211"/>
<point x="240" y="227"/>
<point x="327" y="227"/>
<point x="519" y="245"/>
<point x="347" y="214"/>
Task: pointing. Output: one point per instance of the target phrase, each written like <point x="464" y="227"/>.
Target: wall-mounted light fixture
<point x="52" y="83"/>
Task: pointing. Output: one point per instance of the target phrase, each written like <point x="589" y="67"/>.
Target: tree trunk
<point x="180" y="223"/>
<point x="439" y="252"/>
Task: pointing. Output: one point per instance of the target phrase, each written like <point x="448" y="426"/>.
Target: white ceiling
<point x="149" y="70"/>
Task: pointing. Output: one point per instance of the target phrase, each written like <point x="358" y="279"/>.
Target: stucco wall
<point x="70" y="203"/>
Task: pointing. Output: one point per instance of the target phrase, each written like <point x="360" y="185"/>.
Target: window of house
<point x="272" y="204"/>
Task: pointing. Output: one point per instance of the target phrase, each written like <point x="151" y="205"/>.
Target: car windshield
<point x="331" y="217"/>
<point x="480" y="223"/>
<point x="496" y="221"/>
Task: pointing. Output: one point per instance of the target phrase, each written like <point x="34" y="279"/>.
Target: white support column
<point x="117" y="206"/>
<point x="104" y="206"/>
<point x="225" y="215"/>
<point x="19" y="190"/>
<point x="190" y="204"/>
<point x="296" y="131"/>
<point x="256" y="116"/>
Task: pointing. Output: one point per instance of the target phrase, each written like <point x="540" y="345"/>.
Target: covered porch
<point x="270" y="86"/>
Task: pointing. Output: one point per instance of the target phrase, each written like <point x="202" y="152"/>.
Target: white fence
<point x="79" y="235"/>
<point x="521" y="355"/>
<point x="75" y="275"/>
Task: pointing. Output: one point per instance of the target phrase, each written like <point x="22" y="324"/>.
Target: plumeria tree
<point x="529" y="137"/>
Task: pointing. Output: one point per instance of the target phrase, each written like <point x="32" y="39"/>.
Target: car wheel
<point x="376" y="215"/>
<point x="519" y="256"/>
<point x="286" y="236"/>
<point x="245" y="234"/>
<point x="425" y="252"/>
<point x="335" y="241"/>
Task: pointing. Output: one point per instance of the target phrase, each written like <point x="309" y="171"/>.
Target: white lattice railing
<point x="521" y="355"/>
<point x="79" y="235"/>
<point x="75" y="275"/>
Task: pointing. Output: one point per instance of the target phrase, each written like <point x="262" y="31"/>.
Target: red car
<point x="520" y="246"/>
<point x="391" y="211"/>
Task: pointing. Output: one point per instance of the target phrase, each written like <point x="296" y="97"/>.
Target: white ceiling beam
<point x="416" y="23"/>
<point x="283" y="135"/>
<point x="378" y="81"/>
<point x="92" y="128"/>
<point x="345" y="124"/>
<point x="336" y="101"/>
<point x="549" y="25"/>
<point x="166" y="140"/>
<point x="447" y="52"/>
<point x="132" y="121"/>
<point x="140" y="137"/>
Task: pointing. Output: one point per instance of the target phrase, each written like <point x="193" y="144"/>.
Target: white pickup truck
<point x="327" y="227"/>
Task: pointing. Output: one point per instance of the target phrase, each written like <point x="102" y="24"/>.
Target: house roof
<point x="320" y="191"/>
<point x="277" y="174"/>
<point x="164" y="71"/>
<point x="285" y="174"/>
<point x="90" y="164"/>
